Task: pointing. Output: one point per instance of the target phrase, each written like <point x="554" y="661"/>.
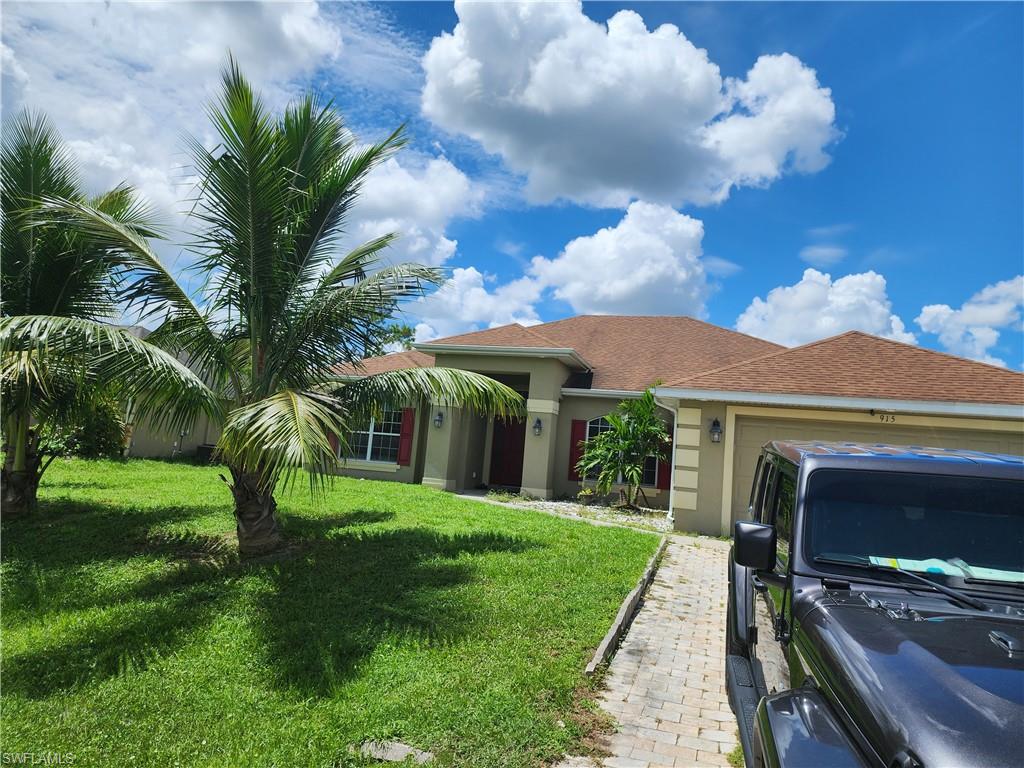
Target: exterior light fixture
<point x="537" y="426"/>
<point x="439" y="419"/>
<point x="716" y="431"/>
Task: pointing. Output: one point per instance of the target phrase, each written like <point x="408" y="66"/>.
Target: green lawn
<point x="133" y="636"/>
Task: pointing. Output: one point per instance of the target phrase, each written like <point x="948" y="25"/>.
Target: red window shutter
<point x="405" y="436"/>
<point x="664" y="475"/>
<point x="333" y="440"/>
<point x="577" y="435"/>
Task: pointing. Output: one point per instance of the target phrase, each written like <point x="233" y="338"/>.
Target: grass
<point x="132" y="635"/>
<point x="735" y="757"/>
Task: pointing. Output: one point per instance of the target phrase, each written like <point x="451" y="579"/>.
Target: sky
<point x="789" y="170"/>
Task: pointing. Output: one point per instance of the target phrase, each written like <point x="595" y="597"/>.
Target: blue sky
<point x="879" y="144"/>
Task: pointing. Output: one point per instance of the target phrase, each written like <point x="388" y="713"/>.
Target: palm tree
<point x="282" y="310"/>
<point x="617" y="455"/>
<point x="56" y="283"/>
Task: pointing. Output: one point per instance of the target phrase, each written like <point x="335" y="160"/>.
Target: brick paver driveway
<point x="666" y="684"/>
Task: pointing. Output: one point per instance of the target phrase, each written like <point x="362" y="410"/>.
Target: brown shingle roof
<point x="394" y="362"/>
<point x="856" y="364"/>
<point x="630" y="352"/>
<point x="513" y="335"/>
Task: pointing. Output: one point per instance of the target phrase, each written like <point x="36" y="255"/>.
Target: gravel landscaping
<point x="647" y="519"/>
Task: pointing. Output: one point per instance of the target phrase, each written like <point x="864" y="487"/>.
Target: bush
<point x="97" y="432"/>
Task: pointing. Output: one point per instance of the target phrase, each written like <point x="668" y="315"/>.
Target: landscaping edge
<point x="607" y="647"/>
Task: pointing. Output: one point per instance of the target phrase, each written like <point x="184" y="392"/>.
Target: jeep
<point x="876" y="608"/>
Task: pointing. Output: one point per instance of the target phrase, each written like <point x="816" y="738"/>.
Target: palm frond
<point x="47" y="269"/>
<point x="146" y="284"/>
<point x="277" y="436"/>
<point x="340" y="320"/>
<point x="451" y="387"/>
<point x="158" y="385"/>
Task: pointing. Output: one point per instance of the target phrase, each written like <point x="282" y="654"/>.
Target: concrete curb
<point x="627" y="611"/>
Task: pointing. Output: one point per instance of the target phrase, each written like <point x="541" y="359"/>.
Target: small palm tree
<point x="282" y="309"/>
<point x="56" y="284"/>
<point x="618" y="455"/>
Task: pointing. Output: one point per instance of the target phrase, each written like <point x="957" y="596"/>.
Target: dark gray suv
<point x="876" y="608"/>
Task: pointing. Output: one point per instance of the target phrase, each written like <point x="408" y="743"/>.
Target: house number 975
<point x="887" y="418"/>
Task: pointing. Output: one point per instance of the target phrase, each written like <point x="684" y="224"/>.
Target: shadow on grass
<point x="322" y="526"/>
<point x="354" y="591"/>
<point x="125" y="639"/>
<point x="349" y="587"/>
<point x="67" y="533"/>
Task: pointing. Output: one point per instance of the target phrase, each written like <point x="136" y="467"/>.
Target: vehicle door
<point x="772" y="604"/>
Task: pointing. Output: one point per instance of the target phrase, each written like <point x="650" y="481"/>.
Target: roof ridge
<point x="832" y="338"/>
<point x="737" y="333"/>
<point x="690" y="318"/>
<point x="530" y="330"/>
<point x="755" y="359"/>
<point x="918" y="347"/>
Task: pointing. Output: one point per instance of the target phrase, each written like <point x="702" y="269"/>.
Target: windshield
<point x="963" y="527"/>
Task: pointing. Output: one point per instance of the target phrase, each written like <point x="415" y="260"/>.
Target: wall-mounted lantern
<point x="716" y="431"/>
<point x="537" y="426"/>
<point x="439" y="419"/>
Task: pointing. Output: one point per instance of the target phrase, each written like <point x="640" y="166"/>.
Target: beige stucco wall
<point x="457" y="450"/>
<point x="587" y="408"/>
<point x="472" y="459"/>
<point x="698" y="468"/>
<point x="148" y="442"/>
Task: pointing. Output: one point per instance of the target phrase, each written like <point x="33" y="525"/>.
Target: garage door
<point x="752" y="433"/>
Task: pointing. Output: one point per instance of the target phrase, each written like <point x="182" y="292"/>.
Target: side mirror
<point x="755" y="545"/>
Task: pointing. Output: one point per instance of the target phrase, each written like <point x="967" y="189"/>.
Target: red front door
<point x="507" y="453"/>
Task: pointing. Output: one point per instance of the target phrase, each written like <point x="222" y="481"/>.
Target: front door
<point x="507" y="453"/>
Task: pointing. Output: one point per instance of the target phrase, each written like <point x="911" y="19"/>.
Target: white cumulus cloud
<point x="649" y="264"/>
<point x="973" y="329"/>
<point x="125" y="93"/>
<point x="604" y="114"/>
<point x="415" y="197"/>
<point x="465" y="303"/>
<point x="818" y="307"/>
<point x="124" y="81"/>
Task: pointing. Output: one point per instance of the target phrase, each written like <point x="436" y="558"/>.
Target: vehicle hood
<point x="920" y="675"/>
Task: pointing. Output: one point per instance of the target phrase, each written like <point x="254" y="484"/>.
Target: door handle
<point x="758" y="585"/>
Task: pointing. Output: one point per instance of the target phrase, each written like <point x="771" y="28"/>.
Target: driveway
<point x="666" y="684"/>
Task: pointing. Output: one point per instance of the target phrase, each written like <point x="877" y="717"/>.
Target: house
<point x="723" y="394"/>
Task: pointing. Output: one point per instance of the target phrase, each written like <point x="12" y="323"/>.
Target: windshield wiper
<point x="866" y="565"/>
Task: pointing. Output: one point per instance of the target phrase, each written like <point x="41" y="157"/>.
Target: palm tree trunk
<point x="19" y="478"/>
<point x="255" y="515"/>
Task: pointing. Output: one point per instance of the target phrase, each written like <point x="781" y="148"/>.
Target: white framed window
<point x="650" y="477"/>
<point x="379" y="440"/>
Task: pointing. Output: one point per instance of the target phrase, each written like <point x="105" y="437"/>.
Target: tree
<point x="282" y="308"/>
<point x="401" y="335"/>
<point x="618" y="454"/>
<point x="57" y="361"/>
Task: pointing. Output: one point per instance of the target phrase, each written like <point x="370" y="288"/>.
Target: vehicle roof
<point x="796" y="451"/>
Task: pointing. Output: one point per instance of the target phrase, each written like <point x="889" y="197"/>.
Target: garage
<point x="753" y="432"/>
<point x="848" y="388"/>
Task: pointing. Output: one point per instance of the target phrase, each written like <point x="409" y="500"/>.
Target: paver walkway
<point x="666" y="684"/>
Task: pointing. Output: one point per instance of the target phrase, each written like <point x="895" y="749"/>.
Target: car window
<point x="752" y="503"/>
<point x="785" y="504"/>
<point x="950" y="527"/>
<point x="765" y="493"/>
